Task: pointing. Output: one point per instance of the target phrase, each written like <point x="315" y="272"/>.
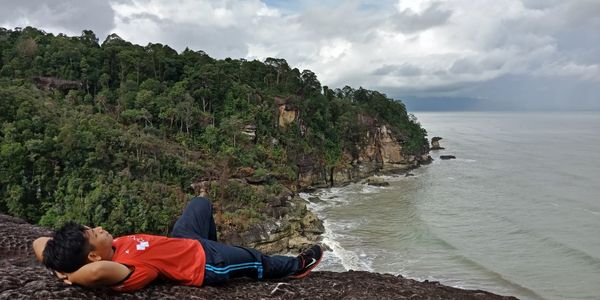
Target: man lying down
<point x="191" y="255"/>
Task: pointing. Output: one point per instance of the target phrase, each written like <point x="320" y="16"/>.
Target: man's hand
<point x="63" y="276"/>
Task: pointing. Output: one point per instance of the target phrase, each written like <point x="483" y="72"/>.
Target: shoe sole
<point x="305" y="273"/>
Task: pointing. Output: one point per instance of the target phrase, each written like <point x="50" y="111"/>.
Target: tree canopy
<point x="146" y="122"/>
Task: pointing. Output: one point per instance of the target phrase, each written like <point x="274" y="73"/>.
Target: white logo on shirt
<point x="142" y="246"/>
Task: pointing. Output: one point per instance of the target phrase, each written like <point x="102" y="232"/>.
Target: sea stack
<point x="435" y="143"/>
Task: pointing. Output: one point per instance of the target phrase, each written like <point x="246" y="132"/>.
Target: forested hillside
<point x="114" y="133"/>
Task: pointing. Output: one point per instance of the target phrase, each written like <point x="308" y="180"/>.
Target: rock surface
<point x="21" y="277"/>
<point x="377" y="182"/>
<point x="292" y="228"/>
<point x="48" y="83"/>
<point x="289" y="226"/>
<point x="287" y="112"/>
<point x="444" y="157"/>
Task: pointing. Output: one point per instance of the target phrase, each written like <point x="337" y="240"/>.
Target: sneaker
<point x="308" y="260"/>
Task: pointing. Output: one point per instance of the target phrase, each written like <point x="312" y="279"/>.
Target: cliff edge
<point x="21" y="277"/>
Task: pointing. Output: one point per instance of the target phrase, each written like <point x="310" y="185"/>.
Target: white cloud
<point x="335" y="50"/>
<point x="416" y="6"/>
<point x="398" y="46"/>
<point x="66" y="16"/>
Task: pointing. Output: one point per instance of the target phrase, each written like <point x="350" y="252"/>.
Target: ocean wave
<point x="349" y="260"/>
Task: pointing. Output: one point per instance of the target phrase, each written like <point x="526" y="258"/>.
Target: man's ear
<point x="93" y="256"/>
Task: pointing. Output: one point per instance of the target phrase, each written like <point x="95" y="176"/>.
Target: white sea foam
<point x="467" y="160"/>
<point x="370" y="189"/>
<point x="389" y="177"/>
<point x="348" y="259"/>
<point x="340" y="257"/>
<point x="591" y="211"/>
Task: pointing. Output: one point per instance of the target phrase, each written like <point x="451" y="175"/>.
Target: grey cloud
<point x="476" y="65"/>
<point x="464" y="65"/>
<point x="229" y="42"/>
<point x="403" y="70"/>
<point x="524" y="92"/>
<point x="218" y="42"/>
<point x="72" y="16"/>
<point x="408" y="21"/>
<point x="225" y="42"/>
<point x="452" y="89"/>
<point x="346" y="21"/>
<point x="583" y="12"/>
<point x="540" y="4"/>
<point x="138" y="16"/>
<point x="385" y="70"/>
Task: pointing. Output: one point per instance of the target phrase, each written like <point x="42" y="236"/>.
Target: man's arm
<point x="99" y="273"/>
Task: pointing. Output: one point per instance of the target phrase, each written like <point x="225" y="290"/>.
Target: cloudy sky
<point x="525" y="54"/>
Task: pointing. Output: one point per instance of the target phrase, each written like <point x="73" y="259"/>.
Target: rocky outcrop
<point x="435" y="143"/>
<point x="249" y="130"/>
<point x="290" y="228"/>
<point x="21" y="277"/>
<point x="446" y="157"/>
<point x="383" y="153"/>
<point x="49" y="83"/>
<point x="311" y="173"/>
<point x="376" y="182"/>
<point x="288" y="113"/>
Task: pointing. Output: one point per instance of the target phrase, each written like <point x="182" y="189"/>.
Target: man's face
<point x="101" y="242"/>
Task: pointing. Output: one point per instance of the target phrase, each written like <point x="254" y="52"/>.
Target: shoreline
<point x="347" y="260"/>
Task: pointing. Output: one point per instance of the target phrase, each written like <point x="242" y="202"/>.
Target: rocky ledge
<point x="21" y="277"/>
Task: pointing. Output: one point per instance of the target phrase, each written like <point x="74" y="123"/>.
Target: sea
<point x="516" y="213"/>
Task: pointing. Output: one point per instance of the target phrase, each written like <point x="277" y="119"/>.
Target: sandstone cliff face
<point x="287" y="115"/>
<point x="287" y="112"/>
<point x="383" y="153"/>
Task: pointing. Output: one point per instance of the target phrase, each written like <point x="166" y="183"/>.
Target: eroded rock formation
<point x="287" y="112"/>
<point x="21" y="277"/>
<point x="435" y="143"/>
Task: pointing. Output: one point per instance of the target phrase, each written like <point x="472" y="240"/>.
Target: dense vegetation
<point x="146" y="122"/>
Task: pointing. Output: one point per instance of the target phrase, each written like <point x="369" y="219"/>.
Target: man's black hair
<point x="67" y="251"/>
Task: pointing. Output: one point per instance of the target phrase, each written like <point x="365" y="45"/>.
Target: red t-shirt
<point x="150" y="256"/>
